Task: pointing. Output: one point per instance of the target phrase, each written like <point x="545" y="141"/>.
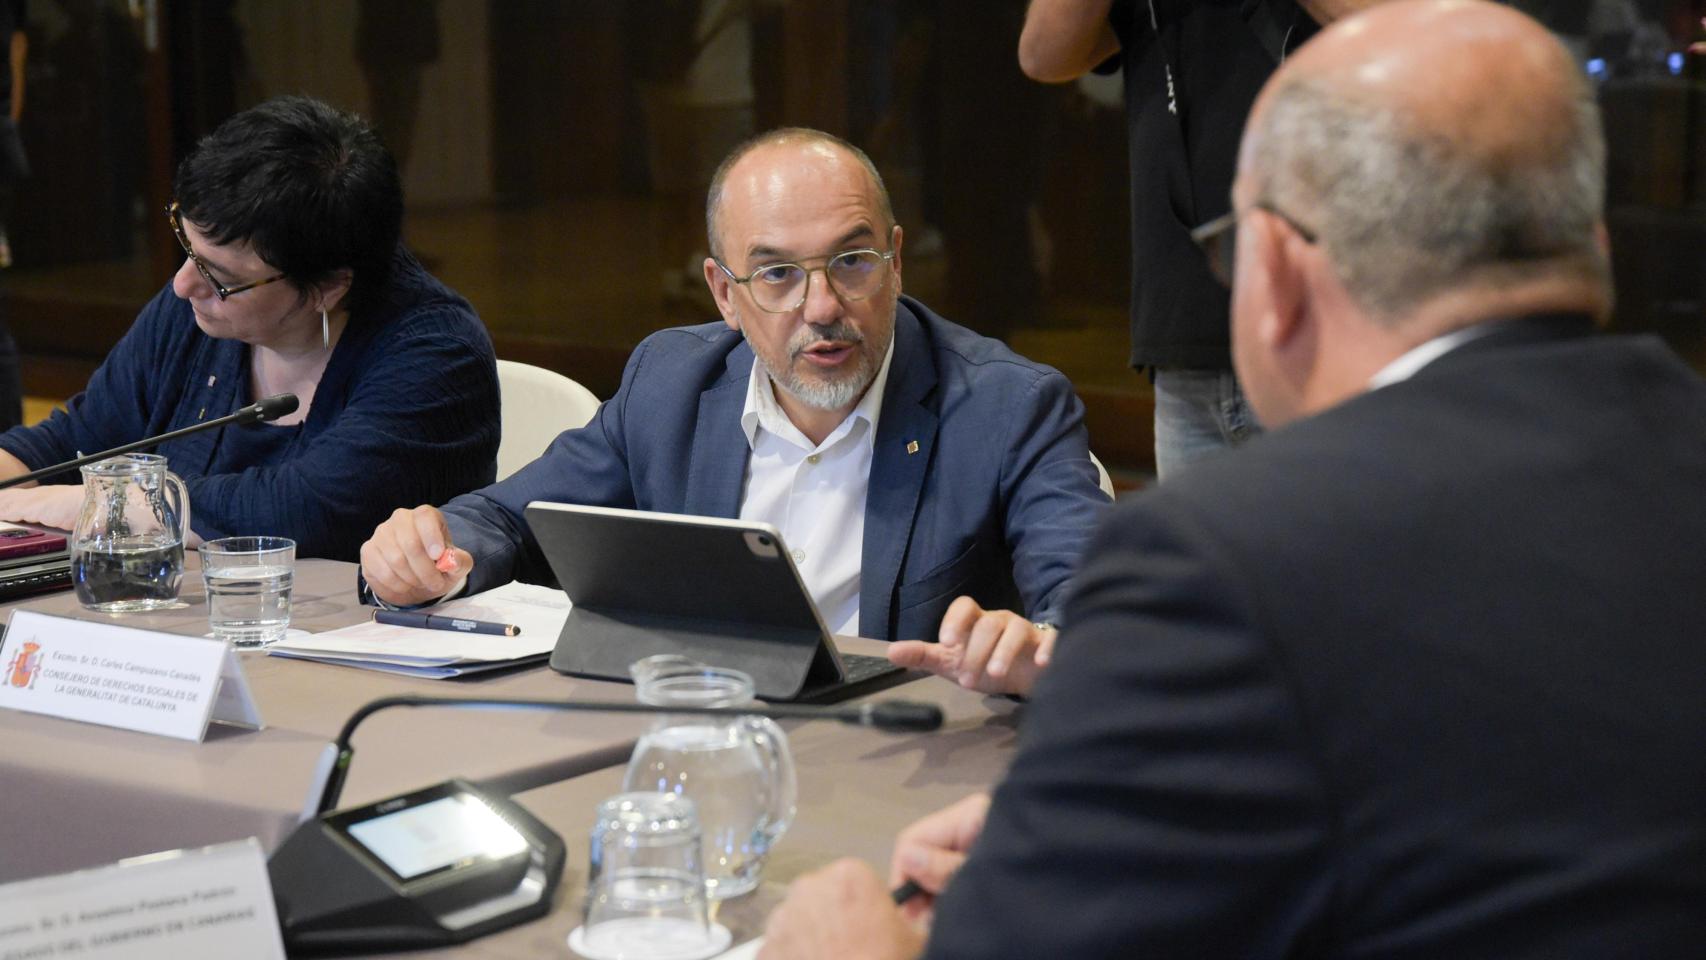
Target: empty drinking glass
<point x="645" y="893"/>
<point x="248" y="588"/>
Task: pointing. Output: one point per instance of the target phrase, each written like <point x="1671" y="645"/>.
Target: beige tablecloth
<point x="78" y="795"/>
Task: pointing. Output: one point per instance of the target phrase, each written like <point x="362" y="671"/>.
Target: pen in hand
<point x="905" y="892"/>
<point x="430" y="621"/>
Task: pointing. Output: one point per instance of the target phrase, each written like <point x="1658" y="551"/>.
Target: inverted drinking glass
<point x="645" y="894"/>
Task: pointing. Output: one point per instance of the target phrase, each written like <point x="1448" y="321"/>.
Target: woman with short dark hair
<point x="294" y="281"/>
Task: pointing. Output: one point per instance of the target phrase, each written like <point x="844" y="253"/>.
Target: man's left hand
<point x="840" y="911"/>
<point x="995" y="651"/>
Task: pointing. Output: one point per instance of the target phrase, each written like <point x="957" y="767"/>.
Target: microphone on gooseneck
<point x="333" y="769"/>
<point x="270" y="408"/>
<point x="261" y="411"/>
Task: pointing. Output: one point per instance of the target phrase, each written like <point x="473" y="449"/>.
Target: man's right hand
<point x="403" y="560"/>
<point x="931" y="851"/>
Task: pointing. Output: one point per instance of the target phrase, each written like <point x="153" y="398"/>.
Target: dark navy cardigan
<point x="405" y="413"/>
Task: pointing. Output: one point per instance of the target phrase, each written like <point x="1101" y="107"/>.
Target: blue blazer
<point x="996" y="500"/>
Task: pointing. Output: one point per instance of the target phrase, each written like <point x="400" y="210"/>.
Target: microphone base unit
<point x="453" y="862"/>
<point x="430" y="868"/>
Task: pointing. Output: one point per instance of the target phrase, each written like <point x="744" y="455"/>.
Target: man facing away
<point x="906" y="461"/>
<point x="1418" y="673"/>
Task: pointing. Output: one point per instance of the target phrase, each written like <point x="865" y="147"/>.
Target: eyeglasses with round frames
<point x="782" y="287"/>
<point x="1218" y="238"/>
<point x="175" y="217"/>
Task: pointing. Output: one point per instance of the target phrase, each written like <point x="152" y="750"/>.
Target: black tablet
<point x="722" y="592"/>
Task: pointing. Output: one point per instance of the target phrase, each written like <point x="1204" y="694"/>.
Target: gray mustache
<point x="838" y="331"/>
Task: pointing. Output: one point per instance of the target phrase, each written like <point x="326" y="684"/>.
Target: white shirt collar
<point x="1414" y="359"/>
<point x="762" y="410"/>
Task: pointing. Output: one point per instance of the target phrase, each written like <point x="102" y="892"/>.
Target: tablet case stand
<point x="782" y="662"/>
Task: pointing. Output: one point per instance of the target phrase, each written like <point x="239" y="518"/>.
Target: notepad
<point x="438" y="654"/>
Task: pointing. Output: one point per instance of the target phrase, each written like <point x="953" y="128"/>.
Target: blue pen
<point x="429" y="621"/>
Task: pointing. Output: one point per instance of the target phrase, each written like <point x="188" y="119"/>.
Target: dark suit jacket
<point x="1423" y="676"/>
<point x="997" y="502"/>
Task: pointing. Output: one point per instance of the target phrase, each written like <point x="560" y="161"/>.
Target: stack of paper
<point x="436" y="654"/>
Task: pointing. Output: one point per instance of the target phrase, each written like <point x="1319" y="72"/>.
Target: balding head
<point x="754" y="155"/>
<point x="1436" y="147"/>
<point x="1481" y="73"/>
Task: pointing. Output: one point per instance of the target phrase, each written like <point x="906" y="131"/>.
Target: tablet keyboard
<point x="860" y="667"/>
<point x="864" y="675"/>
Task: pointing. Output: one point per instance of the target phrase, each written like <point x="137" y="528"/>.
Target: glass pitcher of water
<point x="127" y="550"/>
<point x="738" y="771"/>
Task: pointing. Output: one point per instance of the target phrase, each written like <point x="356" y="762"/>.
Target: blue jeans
<point x="1196" y="413"/>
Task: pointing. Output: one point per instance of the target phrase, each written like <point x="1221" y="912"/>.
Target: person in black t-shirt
<point x="1192" y="69"/>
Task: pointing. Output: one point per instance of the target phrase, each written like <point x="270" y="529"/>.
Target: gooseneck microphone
<point x="270" y="408"/>
<point x="890" y="715"/>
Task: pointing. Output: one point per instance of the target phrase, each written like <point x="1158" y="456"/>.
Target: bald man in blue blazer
<point x="937" y="485"/>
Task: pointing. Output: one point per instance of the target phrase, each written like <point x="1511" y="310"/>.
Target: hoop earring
<point x="325" y="329"/>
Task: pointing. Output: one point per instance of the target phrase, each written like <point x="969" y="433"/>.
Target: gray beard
<point x="826" y="394"/>
<point x="822" y="394"/>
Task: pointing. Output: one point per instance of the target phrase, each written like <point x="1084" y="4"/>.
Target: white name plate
<point x="212" y="902"/>
<point x="140" y="680"/>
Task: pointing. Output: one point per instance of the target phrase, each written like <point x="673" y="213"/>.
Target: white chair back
<point x="538" y="404"/>
<point x="1102" y="479"/>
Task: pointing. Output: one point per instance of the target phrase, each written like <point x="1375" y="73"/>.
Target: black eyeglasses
<point x="175" y="217"/>
<point x="1218" y="238"/>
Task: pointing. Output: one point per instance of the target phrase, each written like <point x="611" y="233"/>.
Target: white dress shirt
<point x="814" y="495"/>
<point x="1417" y="357"/>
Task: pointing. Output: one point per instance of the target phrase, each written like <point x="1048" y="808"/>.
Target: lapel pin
<point x="912" y="446"/>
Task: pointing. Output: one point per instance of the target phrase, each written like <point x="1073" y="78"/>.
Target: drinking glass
<point x="248" y="588"/>
<point x="645" y="894"/>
